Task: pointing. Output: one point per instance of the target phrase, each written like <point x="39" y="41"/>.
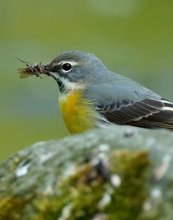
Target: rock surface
<point x="121" y="173"/>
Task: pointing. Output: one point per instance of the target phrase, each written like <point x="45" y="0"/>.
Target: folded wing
<point x="147" y="113"/>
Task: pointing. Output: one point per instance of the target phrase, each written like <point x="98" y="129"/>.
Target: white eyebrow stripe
<point x="73" y="63"/>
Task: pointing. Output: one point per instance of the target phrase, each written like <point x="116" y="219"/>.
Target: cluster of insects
<point x="32" y="69"/>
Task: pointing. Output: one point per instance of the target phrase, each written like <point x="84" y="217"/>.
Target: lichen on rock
<point x="113" y="174"/>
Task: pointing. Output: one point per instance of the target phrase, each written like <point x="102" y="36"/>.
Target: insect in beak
<point x="33" y="69"/>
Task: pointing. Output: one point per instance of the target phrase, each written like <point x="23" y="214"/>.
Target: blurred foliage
<point x="132" y="37"/>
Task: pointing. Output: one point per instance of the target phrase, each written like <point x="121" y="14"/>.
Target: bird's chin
<point x="53" y="75"/>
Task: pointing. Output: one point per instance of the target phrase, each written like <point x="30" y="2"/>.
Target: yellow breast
<point x="77" y="112"/>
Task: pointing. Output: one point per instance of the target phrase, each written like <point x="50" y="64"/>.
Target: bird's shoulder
<point x="123" y="101"/>
<point x="116" y="88"/>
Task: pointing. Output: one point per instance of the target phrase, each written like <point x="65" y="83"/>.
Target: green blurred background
<point x="132" y="37"/>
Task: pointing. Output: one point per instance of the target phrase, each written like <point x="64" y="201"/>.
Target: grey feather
<point x="116" y="88"/>
<point x="123" y="101"/>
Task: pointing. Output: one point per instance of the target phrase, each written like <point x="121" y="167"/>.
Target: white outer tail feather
<point x="168" y="105"/>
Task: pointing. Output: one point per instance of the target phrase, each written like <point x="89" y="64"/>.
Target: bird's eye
<point x="66" y="67"/>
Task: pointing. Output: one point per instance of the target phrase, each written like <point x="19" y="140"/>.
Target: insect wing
<point x="24" y="73"/>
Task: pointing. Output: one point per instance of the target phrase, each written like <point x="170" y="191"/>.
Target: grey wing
<point x="147" y="113"/>
<point x="133" y="105"/>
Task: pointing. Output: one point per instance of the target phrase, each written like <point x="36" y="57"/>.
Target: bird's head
<point x="74" y="68"/>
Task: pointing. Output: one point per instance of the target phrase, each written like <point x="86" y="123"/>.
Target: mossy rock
<point x="121" y="173"/>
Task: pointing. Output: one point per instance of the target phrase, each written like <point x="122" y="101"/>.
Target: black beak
<point x="48" y="71"/>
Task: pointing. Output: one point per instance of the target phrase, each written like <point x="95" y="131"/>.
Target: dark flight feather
<point x="148" y="113"/>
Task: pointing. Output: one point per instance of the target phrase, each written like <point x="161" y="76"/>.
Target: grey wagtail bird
<point x="91" y="96"/>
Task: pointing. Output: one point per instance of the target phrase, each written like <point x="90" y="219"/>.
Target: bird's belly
<point x="77" y="112"/>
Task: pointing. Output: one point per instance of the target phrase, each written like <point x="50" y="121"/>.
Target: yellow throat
<point x="77" y="112"/>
